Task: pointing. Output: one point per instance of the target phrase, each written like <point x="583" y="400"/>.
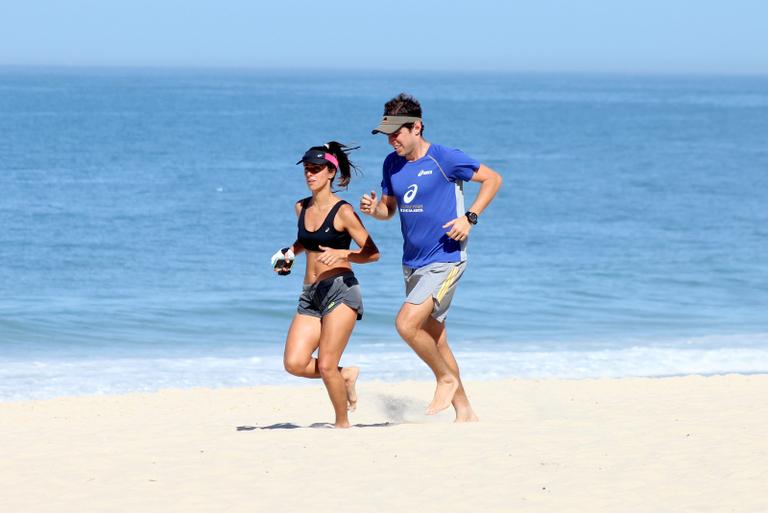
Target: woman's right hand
<point x="282" y="261"/>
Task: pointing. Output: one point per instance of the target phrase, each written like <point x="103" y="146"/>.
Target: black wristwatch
<point x="471" y="216"/>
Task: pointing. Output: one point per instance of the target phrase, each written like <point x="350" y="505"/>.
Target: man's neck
<point x="420" y="150"/>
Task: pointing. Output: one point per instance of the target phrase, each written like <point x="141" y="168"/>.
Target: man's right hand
<point x="369" y="204"/>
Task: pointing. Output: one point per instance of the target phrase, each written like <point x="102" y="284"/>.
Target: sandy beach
<point x="679" y="444"/>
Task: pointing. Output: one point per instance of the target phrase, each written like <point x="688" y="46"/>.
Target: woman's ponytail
<point x="341" y="151"/>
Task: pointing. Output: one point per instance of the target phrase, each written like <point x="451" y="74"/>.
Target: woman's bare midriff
<point x="317" y="271"/>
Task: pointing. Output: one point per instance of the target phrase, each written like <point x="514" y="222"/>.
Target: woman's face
<point x="318" y="175"/>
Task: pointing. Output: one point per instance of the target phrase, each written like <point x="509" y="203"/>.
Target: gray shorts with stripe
<point x="437" y="280"/>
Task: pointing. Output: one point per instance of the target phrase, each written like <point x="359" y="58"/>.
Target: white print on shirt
<point x="410" y="193"/>
<point x="425" y="172"/>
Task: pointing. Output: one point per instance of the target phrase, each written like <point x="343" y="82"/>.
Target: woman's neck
<point x="322" y="198"/>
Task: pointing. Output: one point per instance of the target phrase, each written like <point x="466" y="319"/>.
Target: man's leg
<point x="409" y="323"/>
<point x="436" y="330"/>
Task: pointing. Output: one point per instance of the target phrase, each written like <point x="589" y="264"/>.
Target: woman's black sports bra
<point x="326" y="235"/>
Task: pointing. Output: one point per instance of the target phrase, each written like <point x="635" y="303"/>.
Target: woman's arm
<point x="287" y="255"/>
<point x="297" y="247"/>
<point x="368" y="251"/>
<point x="350" y="222"/>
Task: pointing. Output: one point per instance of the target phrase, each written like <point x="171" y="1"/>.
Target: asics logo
<point x="410" y="193"/>
<point x="425" y="172"/>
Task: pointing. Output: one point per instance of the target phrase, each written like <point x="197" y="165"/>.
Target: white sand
<point x="633" y="445"/>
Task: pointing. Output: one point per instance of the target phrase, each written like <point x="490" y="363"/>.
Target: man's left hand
<point x="459" y="228"/>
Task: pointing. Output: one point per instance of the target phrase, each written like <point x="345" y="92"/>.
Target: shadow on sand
<point x="322" y="425"/>
<point x="393" y="407"/>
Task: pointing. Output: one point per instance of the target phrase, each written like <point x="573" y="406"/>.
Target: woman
<point x="330" y="301"/>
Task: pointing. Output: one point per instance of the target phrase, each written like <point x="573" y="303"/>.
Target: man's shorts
<point x="437" y="280"/>
<point x="322" y="297"/>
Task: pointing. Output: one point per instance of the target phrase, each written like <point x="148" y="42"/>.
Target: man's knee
<point x="411" y="318"/>
<point x="406" y="326"/>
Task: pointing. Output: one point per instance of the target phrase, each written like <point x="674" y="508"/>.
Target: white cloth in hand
<point x="283" y="254"/>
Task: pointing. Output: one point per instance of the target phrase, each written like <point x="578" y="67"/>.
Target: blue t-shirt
<point x="429" y="193"/>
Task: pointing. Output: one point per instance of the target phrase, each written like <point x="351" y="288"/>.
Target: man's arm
<point x="379" y="209"/>
<point x="490" y="181"/>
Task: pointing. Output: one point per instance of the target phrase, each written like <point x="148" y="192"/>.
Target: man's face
<point x="405" y="140"/>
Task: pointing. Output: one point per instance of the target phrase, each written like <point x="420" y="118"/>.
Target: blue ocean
<point x="139" y="209"/>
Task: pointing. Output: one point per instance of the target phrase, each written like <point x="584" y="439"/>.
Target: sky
<point x="474" y="35"/>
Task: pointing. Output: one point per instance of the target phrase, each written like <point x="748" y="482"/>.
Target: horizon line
<point x="417" y="71"/>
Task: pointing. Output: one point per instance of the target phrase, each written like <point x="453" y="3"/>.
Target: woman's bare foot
<point x="446" y="388"/>
<point x="342" y="425"/>
<point x="350" y="378"/>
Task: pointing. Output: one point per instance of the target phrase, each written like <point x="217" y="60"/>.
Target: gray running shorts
<point x="437" y="280"/>
<point x="320" y="298"/>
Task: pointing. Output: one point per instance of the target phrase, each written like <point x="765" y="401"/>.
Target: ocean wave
<point x="43" y="379"/>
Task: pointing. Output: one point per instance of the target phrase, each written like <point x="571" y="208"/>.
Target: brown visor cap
<point x="390" y="124"/>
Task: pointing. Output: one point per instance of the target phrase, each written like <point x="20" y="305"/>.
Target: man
<point x="424" y="182"/>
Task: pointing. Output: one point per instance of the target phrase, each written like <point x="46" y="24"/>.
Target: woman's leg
<point x="302" y="340"/>
<point x="336" y="328"/>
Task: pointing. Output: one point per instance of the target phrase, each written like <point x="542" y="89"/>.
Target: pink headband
<point x="332" y="159"/>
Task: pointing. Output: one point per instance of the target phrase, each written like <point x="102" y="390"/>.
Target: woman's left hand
<point x="330" y="256"/>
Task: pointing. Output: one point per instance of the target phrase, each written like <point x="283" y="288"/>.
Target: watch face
<point x="472" y="217"/>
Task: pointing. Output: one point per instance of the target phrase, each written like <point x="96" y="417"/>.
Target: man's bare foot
<point x="466" y="416"/>
<point x="350" y="378"/>
<point x="446" y="388"/>
<point x="342" y="425"/>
